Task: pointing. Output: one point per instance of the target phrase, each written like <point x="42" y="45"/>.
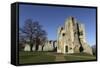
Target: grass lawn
<point x="41" y="57"/>
<point x="79" y="57"/>
<point x="35" y="57"/>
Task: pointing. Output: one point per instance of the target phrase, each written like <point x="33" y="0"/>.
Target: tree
<point x="43" y="41"/>
<point x="34" y="33"/>
<point x="40" y="36"/>
<point x="21" y="41"/>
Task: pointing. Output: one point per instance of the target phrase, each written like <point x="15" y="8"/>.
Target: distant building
<point x="71" y="38"/>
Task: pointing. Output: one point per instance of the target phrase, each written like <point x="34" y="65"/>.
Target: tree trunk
<point x="36" y="47"/>
<point x="31" y="46"/>
<point x="42" y="47"/>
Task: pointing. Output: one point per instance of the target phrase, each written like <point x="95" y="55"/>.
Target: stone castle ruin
<point x="50" y="45"/>
<point x="70" y="39"/>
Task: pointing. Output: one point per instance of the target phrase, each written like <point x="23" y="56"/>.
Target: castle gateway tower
<point x="71" y="38"/>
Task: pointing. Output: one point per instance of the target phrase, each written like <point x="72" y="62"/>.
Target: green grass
<point x="79" y="57"/>
<point x="35" y="57"/>
<point x="41" y="57"/>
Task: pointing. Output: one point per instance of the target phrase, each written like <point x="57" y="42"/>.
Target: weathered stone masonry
<point x="71" y="38"/>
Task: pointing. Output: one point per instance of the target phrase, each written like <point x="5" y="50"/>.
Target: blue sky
<point x="52" y="17"/>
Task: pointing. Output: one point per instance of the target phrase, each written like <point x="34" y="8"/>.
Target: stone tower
<point x="71" y="38"/>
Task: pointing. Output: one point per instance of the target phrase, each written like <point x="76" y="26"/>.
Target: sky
<point x="52" y="17"/>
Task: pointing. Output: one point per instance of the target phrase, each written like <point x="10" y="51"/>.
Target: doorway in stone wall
<point x="66" y="48"/>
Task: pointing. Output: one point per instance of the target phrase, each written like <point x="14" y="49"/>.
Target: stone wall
<point x="49" y="46"/>
<point x="71" y="38"/>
